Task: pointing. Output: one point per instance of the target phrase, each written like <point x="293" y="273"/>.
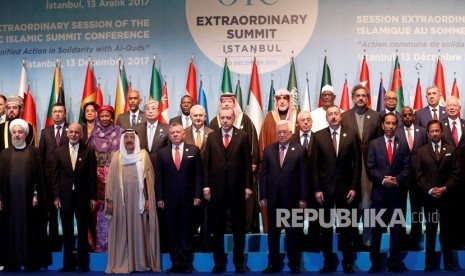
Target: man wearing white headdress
<point x="23" y="226"/>
<point x="133" y="241"/>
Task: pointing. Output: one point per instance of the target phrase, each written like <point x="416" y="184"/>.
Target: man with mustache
<point x="14" y="109"/>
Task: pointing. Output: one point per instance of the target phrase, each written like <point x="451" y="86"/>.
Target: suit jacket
<point x="378" y="167"/>
<point x="190" y="139"/>
<point x="420" y="137"/>
<point x="4" y="127"/>
<point x="331" y="174"/>
<point x="125" y="122"/>
<point x="177" y="119"/>
<point x="178" y="187"/>
<point x="160" y="139"/>
<point x="431" y="173"/>
<point x="228" y="171"/>
<point x="397" y="113"/>
<point x="423" y="116"/>
<point x="83" y="177"/>
<point x="47" y="152"/>
<point x="292" y="179"/>
<point x="296" y="139"/>
<point x="447" y="133"/>
<point x="371" y="128"/>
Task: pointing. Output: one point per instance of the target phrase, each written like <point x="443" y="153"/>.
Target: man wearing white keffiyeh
<point x="133" y="241"/>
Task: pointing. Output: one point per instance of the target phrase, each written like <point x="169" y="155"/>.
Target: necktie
<point x="151" y="134"/>
<point x="198" y="139"/>
<point x="335" y="141"/>
<point x="58" y="136"/>
<point x="436" y="151"/>
<point x="389" y="151"/>
<point x="226" y="140"/>
<point x="281" y="156"/>
<point x="73" y="157"/>
<point x="177" y="158"/>
<point x="409" y="139"/>
<point x="455" y="134"/>
<point x="133" y="121"/>
<point x="305" y="144"/>
<point x="435" y="115"/>
<point x="187" y="124"/>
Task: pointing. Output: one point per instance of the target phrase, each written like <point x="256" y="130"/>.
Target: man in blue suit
<point x="433" y="110"/>
<point x="178" y="189"/>
<point x="283" y="184"/>
<point x="389" y="166"/>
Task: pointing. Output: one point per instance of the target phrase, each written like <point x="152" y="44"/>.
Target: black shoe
<point x="174" y="269"/>
<point x="449" y="267"/>
<point x="375" y="268"/>
<point x="218" y="269"/>
<point x="295" y="269"/>
<point x="240" y="269"/>
<point x="272" y="269"/>
<point x="82" y="269"/>
<point x="347" y="267"/>
<point x="399" y="268"/>
<point x="66" y="269"/>
<point x="428" y="268"/>
<point x="328" y="268"/>
<point x="364" y="248"/>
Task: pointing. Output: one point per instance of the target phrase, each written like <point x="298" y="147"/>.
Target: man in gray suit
<point x="134" y="116"/>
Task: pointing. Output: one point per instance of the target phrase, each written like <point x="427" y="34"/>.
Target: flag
<point x="325" y="79"/>
<point x="396" y="85"/>
<point x="306" y="104"/>
<point x="57" y="95"/>
<point x="23" y="83"/>
<point x="88" y="93"/>
<point x="29" y="113"/>
<point x="155" y="83"/>
<point x="455" y="89"/>
<point x="345" y="104"/>
<point x="365" y="78"/>
<point x="271" y="98"/>
<point x="191" y="85"/>
<point x="164" y="116"/>
<point x="254" y="105"/>
<point x="238" y="95"/>
<point x="226" y="83"/>
<point x="292" y="87"/>
<point x="381" y="92"/>
<point x="439" y="81"/>
<point x="98" y="96"/>
<point x="203" y="101"/>
<point x="418" y="103"/>
<point x="121" y="89"/>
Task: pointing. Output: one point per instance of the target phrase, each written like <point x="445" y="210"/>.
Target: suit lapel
<point x="329" y="140"/>
<point x="353" y="122"/>
<point x="233" y="142"/>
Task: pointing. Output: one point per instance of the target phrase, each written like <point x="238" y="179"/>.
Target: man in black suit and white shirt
<point x="184" y="119"/>
<point x="134" y="116"/>
<point x="433" y="110"/>
<point x="75" y="193"/>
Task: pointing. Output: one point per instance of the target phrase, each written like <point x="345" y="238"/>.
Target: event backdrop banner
<point x="42" y="32"/>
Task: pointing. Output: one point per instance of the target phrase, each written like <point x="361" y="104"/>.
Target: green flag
<point x="271" y="99"/>
<point x="397" y="85"/>
<point x="325" y="79"/>
<point x="292" y="87"/>
<point x="238" y="94"/>
<point x="155" y="84"/>
<point x="226" y="84"/>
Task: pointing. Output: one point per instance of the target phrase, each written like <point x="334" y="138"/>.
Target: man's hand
<point x="319" y="197"/>
<point x="248" y="193"/>
<point x="57" y="204"/>
<point x="302" y="204"/>
<point x="161" y="204"/>
<point x="351" y="196"/>
<point x="35" y="201"/>
<point x="390" y="181"/>
<point x="197" y="201"/>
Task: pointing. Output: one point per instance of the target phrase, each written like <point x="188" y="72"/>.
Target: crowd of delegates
<point x="138" y="187"/>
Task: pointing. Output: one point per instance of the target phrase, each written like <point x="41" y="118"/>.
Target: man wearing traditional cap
<point x="327" y="97"/>
<point x="134" y="115"/>
<point x="14" y="108"/>
<point x="22" y="204"/>
<point x="243" y="122"/>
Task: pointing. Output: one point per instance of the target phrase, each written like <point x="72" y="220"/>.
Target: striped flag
<point x="381" y="92"/>
<point x="121" y="89"/>
<point x="396" y="85"/>
<point x="271" y="98"/>
<point x="88" y="93"/>
<point x="57" y="95"/>
<point x="164" y="115"/>
<point x="191" y="85"/>
<point x="439" y="81"/>
<point x="238" y="95"/>
<point x="365" y="78"/>
<point x="254" y="105"/>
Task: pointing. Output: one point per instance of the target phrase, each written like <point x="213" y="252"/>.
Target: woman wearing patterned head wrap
<point x="104" y="139"/>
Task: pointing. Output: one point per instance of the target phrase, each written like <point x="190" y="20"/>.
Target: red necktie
<point x="410" y="139"/>
<point x="226" y="140"/>
<point x="455" y="135"/>
<point x="389" y="151"/>
<point x="435" y="115"/>
<point x="177" y="158"/>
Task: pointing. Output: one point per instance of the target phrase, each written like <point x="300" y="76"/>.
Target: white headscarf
<point x="134" y="158"/>
<point x="19" y="122"/>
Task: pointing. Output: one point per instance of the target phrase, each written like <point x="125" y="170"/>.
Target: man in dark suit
<point x="179" y="188"/>
<point x="389" y="166"/>
<point x="336" y="166"/>
<point x="433" y="110"/>
<point x="14" y="110"/>
<point x="390" y="104"/>
<point x="75" y="193"/>
<point x="51" y="138"/>
<point x="284" y="186"/>
<point x="134" y="116"/>
<point x="454" y="128"/>
<point x="415" y="137"/>
<point x="366" y="123"/>
<point x="197" y="134"/>
<point x="228" y="184"/>
<point x="437" y="174"/>
<point x="184" y="119"/>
